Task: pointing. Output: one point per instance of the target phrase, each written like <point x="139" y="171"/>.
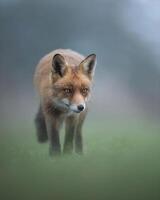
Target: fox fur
<point x="63" y="80"/>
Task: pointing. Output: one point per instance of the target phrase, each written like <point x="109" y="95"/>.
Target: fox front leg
<point x="70" y="128"/>
<point x="78" y="139"/>
<point x="78" y="134"/>
<point x="53" y="136"/>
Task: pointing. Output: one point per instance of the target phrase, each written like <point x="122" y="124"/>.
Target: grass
<point x="121" y="161"/>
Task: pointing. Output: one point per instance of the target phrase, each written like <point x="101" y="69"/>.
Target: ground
<point x="121" y="161"/>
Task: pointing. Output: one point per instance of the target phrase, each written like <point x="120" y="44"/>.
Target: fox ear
<point x="59" y="65"/>
<point x="88" y="65"/>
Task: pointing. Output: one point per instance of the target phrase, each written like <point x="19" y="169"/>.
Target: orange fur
<point x="51" y="86"/>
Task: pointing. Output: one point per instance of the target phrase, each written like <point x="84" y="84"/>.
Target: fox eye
<point x="67" y="91"/>
<point x="84" y="91"/>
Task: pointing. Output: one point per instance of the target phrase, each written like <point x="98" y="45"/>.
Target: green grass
<point x="121" y="161"/>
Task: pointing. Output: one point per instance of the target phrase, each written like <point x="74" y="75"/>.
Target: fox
<point x="63" y="80"/>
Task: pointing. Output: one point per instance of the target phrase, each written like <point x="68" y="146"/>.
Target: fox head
<point x="72" y="84"/>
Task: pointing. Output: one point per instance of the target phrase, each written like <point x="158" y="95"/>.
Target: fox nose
<point x="80" y="107"/>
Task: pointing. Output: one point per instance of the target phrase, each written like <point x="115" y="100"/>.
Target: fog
<point x="124" y="35"/>
<point x="121" y="133"/>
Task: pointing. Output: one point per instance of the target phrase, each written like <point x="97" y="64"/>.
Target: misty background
<point x="121" y="133"/>
<point x="124" y="35"/>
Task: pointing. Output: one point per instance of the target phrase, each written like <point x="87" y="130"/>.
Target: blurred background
<point x="125" y="35"/>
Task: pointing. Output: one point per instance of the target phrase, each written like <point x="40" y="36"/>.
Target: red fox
<point x="63" y="79"/>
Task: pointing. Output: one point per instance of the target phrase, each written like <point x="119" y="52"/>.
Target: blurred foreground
<point x="121" y="161"/>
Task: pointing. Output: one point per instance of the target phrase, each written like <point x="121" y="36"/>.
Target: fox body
<point x="63" y="79"/>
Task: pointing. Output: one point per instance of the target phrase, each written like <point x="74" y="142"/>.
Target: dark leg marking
<point x="53" y="136"/>
<point x="69" y="134"/>
<point x="78" y="139"/>
<point x="78" y="135"/>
